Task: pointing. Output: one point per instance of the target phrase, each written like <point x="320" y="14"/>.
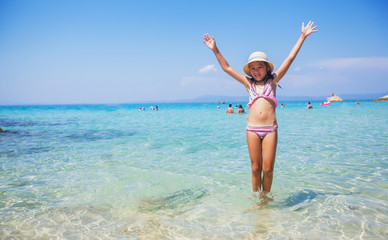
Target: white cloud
<point x="299" y="80"/>
<point x="208" y="68"/>
<point x="342" y="75"/>
<point x="362" y="63"/>
<point x="296" y="69"/>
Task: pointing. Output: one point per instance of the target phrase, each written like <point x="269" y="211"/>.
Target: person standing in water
<point x="309" y="106"/>
<point x="230" y="109"/>
<point x="241" y="109"/>
<point x="261" y="83"/>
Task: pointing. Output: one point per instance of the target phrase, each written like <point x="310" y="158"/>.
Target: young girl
<point x="261" y="85"/>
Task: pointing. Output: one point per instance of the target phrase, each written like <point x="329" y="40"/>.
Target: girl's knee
<point x="268" y="170"/>
<point x="256" y="169"/>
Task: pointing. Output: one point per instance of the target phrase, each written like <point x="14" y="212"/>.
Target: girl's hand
<point x="308" y="29"/>
<point x="209" y="41"/>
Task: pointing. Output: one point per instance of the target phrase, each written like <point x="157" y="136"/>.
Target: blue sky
<point x="66" y="52"/>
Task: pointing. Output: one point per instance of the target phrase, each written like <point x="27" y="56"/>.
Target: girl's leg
<point x="269" y="144"/>
<point x="254" y="147"/>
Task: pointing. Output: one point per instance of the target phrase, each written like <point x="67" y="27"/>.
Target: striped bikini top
<point x="268" y="94"/>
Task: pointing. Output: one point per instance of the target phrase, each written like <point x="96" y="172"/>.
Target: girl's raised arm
<point x="211" y="43"/>
<point x="306" y="31"/>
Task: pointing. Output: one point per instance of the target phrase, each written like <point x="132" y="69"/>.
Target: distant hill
<point x="345" y="97"/>
<point x="212" y="98"/>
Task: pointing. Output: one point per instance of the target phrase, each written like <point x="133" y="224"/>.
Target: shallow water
<point x="183" y="172"/>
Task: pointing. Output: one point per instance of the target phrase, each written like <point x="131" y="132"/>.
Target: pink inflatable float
<point x="327" y="102"/>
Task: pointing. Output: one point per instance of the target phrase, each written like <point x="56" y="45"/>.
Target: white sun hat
<point x="257" y="57"/>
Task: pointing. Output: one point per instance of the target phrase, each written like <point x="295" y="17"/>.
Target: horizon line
<point x="217" y="98"/>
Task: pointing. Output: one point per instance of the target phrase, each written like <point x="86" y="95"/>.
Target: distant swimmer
<point x="309" y="106"/>
<point x="230" y="109"/>
<point x="241" y="109"/>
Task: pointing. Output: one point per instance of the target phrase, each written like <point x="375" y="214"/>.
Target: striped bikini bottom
<point x="262" y="131"/>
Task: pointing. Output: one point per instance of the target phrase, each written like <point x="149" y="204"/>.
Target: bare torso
<point x="262" y="111"/>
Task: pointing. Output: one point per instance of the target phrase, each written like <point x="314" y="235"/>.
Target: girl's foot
<point x="261" y="199"/>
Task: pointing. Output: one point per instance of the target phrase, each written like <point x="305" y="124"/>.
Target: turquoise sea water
<point x="183" y="172"/>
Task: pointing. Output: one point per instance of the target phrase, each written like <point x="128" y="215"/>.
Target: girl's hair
<point x="267" y="77"/>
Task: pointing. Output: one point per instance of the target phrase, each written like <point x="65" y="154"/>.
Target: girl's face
<point x="258" y="70"/>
